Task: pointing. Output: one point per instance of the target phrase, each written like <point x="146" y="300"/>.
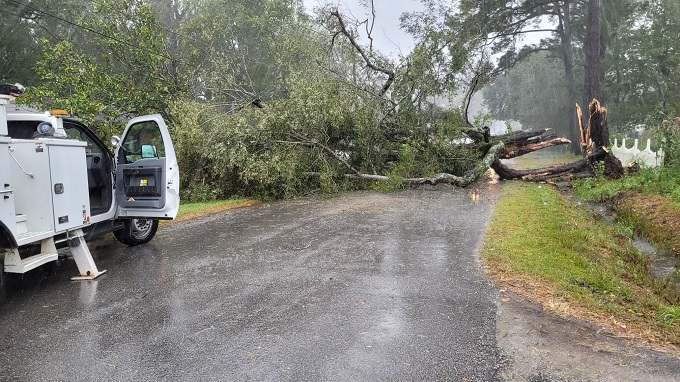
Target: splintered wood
<point x="594" y="141"/>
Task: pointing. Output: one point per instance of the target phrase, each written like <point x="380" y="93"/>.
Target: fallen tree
<point x="594" y="137"/>
<point x="519" y="143"/>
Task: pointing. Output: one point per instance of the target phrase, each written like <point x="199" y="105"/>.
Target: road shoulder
<point x="541" y="346"/>
<point x="568" y="285"/>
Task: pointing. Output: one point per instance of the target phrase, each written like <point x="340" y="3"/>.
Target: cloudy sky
<point x="387" y="34"/>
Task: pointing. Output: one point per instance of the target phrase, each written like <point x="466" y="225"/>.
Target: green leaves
<point x="112" y="75"/>
<point x="203" y="64"/>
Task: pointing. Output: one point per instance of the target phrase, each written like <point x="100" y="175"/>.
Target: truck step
<point x="15" y="264"/>
<point x="21" y="227"/>
<point x="30" y="263"/>
<point x="31" y="237"/>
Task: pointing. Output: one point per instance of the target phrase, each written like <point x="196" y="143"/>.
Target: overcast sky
<point x="387" y="34"/>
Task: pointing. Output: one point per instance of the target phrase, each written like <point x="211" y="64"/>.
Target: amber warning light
<point x="58" y="113"/>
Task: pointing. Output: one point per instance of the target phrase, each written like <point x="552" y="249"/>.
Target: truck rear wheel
<point x="137" y="231"/>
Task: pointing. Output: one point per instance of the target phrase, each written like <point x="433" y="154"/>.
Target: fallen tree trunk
<point x="491" y="156"/>
<point x="595" y="151"/>
<point x="540" y="174"/>
<point x="530" y="141"/>
<point x="510" y="146"/>
<point x="578" y="169"/>
<point x="461" y="181"/>
<point x="519" y="143"/>
<point x="596" y="137"/>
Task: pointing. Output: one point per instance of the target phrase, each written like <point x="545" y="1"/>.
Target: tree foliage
<point x="644" y="64"/>
<point x="266" y="99"/>
<point x="262" y="98"/>
<point x="638" y="45"/>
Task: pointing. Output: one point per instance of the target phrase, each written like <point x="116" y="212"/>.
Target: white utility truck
<point x="60" y="185"/>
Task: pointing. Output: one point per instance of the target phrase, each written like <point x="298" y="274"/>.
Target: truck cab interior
<point x="99" y="159"/>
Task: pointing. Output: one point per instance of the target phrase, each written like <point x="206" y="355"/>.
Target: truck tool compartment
<point x="53" y="170"/>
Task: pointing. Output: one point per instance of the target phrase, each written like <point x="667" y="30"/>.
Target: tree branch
<point x="325" y="148"/>
<point x="460" y="181"/>
<point x="514" y="33"/>
<point x="389" y="73"/>
<point x="521" y="143"/>
<point x="468" y="98"/>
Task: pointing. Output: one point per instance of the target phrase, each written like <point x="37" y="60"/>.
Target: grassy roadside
<point x="648" y="201"/>
<point x="543" y="247"/>
<point x="654" y="217"/>
<point x="192" y="210"/>
<point x="660" y="181"/>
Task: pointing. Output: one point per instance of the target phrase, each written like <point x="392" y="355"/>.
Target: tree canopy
<point x="266" y="97"/>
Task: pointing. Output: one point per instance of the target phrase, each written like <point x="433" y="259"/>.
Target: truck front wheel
<point x="137" y="231"/>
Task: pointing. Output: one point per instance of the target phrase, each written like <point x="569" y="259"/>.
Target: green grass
<point x="648" y="201"/>
<point x="538" y="236"/>
<point x="671" y="315"/>
<point x="660" y="181"/>
<point x="190" y="210"/>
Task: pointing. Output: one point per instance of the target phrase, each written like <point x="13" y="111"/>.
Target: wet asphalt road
<point x="364" y="286"/>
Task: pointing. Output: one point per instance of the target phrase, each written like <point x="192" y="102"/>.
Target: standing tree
<point x="594" y="49"/>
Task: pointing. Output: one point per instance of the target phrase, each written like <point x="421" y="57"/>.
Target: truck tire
<point x="137" y="231"/>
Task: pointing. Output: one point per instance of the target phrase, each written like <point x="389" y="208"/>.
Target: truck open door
<point x="147" y="175"/>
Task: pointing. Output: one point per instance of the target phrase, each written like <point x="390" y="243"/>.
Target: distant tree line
<point x="624" y="52"/>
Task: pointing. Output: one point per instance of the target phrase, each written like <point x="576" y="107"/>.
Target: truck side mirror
<point x="148" y="151"/>
<point x="115" y="140"/>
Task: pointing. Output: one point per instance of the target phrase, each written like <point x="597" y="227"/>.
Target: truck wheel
<point x="137" y="231"/>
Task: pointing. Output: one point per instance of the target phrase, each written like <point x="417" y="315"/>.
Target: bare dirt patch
<point x="549" y="299"/>
<point x="544" y="346"/>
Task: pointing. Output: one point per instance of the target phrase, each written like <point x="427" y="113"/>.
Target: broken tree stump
<point x="596" y="137"/>
<point x="594" y="141"/>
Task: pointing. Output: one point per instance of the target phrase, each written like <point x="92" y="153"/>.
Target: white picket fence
<point x="645" y="157"/>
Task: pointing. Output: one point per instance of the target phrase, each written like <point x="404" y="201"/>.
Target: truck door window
<point x="143" y="141"/>
<point x="74" y="133"/>
<point x="94" y="153"/>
